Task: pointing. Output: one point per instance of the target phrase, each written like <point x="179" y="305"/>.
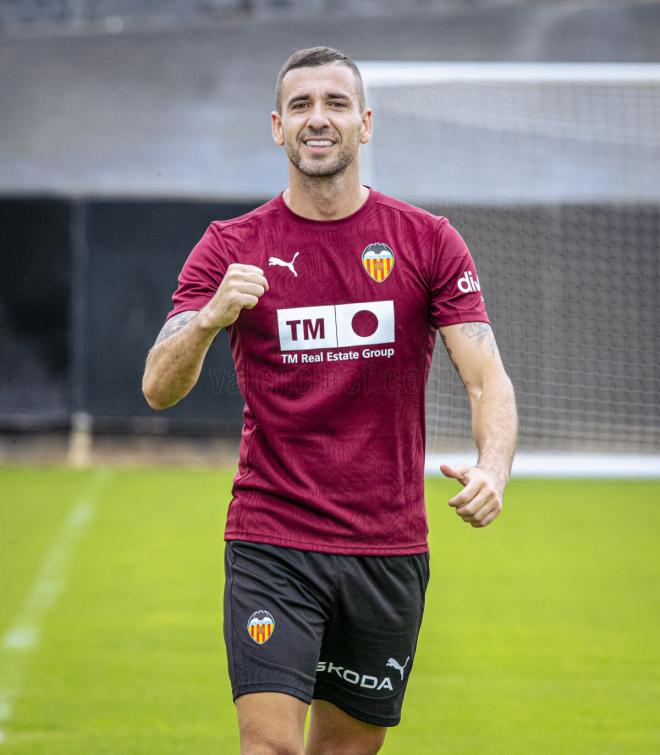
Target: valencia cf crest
<point x="378" y="261"/>
<point x="261" y="626"/>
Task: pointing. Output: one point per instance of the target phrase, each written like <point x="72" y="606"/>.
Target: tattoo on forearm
<point x="451" y="357"/>
<point x="174" y="325"/>
<point x="480" y="332"/>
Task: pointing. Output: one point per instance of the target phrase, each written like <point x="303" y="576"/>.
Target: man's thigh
<point x="276" y="608"/>
<point x="369" y="644"/>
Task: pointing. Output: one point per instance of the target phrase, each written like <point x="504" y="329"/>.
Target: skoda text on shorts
<point x="331" y="294"/>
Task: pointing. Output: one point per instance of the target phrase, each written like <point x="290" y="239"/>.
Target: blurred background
<point x="126" y="127"/>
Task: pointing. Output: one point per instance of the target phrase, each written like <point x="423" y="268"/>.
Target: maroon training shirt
<point x="332" y="364"/>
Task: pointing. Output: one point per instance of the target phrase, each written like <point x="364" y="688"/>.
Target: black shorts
<point x="330" y="627"/>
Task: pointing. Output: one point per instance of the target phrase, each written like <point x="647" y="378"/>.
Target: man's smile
<point x="318" y="143"/>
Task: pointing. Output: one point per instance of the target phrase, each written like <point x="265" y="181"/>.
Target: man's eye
<point x="338" y="104"/>
<point x="299" y="105"/>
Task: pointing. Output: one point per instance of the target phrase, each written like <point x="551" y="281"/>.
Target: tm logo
<point x="312" y="329"/>
<point x="336" y="325"/>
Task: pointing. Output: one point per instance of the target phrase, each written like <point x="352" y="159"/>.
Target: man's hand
<point x="480" y="501"/>
<point x="241" y="288"/>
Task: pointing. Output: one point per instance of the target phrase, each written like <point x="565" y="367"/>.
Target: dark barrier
<point x="85" y="291"/>
<point x="136" y="251"/>
<point x="35" y="296"/>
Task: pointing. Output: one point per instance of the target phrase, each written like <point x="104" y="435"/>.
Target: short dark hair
<point x="311" y="57"/>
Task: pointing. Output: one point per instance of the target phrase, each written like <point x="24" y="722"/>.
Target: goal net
<point x="552" y="175"/>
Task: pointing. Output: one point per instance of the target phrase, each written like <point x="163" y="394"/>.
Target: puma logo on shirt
<point x="282" y="263"/>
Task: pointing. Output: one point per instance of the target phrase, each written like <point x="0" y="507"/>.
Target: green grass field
<point x="541" y="635"/>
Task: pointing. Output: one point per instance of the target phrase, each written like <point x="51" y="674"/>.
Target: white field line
<point x="24" y="633"/>
<point x="562" y="465"/>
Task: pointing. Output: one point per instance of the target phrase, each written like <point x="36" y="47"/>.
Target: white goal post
<point x="551" y="172"/>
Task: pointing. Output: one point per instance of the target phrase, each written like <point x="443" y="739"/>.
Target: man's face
<point x="321" y="126"/>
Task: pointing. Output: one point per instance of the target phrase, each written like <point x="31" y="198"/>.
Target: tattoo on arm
<point x="480" y="332"/>
<point x="174" y="325"/>
<point x="451" y="357"/>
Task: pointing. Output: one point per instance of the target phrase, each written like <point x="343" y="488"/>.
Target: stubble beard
<point x="322" y="167"/>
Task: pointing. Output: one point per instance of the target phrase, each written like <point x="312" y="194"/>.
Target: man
<point x="331" y="294"/>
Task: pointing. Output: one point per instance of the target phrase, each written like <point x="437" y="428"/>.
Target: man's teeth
<point x="318" y="143"/>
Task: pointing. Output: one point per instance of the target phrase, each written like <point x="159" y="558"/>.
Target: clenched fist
<point x="241" y="288"/>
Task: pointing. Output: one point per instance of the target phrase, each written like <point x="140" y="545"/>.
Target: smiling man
<point x="331" y="294"/>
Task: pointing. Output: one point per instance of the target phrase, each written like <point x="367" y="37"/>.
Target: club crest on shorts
<point x="261" y="626"/>
<point x="378" y="261"/>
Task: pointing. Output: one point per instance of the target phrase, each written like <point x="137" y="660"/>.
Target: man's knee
<point x="347" y="748"/>
<point x="267" y="744"/>
<point x="362" y="745"/>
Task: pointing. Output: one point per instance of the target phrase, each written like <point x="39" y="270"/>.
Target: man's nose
<point x="318" y="118"/>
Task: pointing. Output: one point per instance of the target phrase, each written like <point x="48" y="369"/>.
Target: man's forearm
<point x="175" y="362"/>
<point x="495" y="425"/>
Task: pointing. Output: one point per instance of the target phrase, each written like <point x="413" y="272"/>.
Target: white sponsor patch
<point x="384" y="333"/>
<point x="331" y="326"/>
<point x="307" y="328"/>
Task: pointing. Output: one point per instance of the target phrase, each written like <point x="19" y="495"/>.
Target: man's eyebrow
<point x="329" y="96"/>
<point x="297" y="98"/>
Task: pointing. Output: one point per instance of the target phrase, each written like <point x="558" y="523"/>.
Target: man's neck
<point x="324" y="199"/>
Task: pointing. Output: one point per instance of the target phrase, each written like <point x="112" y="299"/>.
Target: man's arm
<point x="175" y="361"/>
<point x="472" y="349"/>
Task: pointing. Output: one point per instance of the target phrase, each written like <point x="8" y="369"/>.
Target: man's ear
<point x="366" y="127"/>
<point x="276" y="127"/>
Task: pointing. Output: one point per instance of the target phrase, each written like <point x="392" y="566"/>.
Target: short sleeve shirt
<point x="332" y="364"/>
